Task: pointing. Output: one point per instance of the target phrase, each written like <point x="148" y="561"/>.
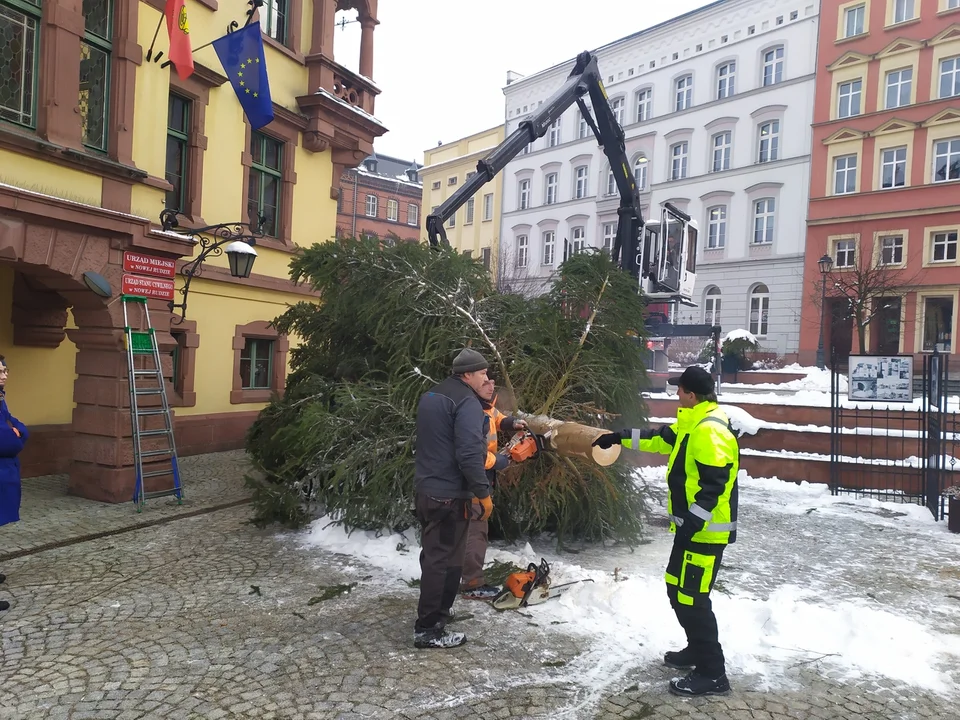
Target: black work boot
<point x="696" y="683"/>
<point x="438" y="638"/>
<point x="680" y="659"/>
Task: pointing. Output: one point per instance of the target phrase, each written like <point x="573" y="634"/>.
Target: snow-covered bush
<point x="735" y="346"/>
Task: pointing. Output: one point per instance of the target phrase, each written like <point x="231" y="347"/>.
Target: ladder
<point x="147" y="381"/>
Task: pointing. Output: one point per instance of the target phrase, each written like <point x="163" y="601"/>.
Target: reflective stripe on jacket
<point x="702" y="470"/>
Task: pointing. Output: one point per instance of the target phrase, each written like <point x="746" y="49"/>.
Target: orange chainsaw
<point x="524" y="445"/>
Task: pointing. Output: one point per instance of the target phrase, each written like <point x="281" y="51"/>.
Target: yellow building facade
<point x="475" y="228"/>
<point x="96" y="140"/>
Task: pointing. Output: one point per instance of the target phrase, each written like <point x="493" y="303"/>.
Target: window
<point x="773" y="66"/>
<point x="549" y="239"/>
<point x="436" y="185"/>
<point x="845" y="174"/>
<point x="581" y="186"/>
<point x="551" y="189"/>
<point x="640" y="173"/>
<point x="553" y="135"/>
<point x="937" y="323"/>
<point x="726" y="75"/>
<point x="949" y="76"/>
<point x="609" y="236"/>
<point x="452" y="220"/>
<point x="522" y="250"/>
<point x="523" y="190"/>
<point x="393" y="210"/>
<point x="617" y="106"/>
<point x="944" y="247"/>
<point x="846" y="252"/>
<point x="263" y="195"/>
<point x="902" y="10"/>
<point x="853" y="20"/>
<point x="528" y="148"/>
<point x="952" y="4"/>
<point x="893" y="167"/>
<point x="769" y="146"/>
<point x="582" y="127"/>
<point x="178" y="138"/>
<point x="711" y="307"/>
<point x="891" y="250"/>
<point x="485" y="257"/>
<point x="611" y="183"/>
<point x="579" y="239"/>
<point x="716" y="227"/>
<point x="684" y="92"/>
<point x="256" y="361"/>
<point x="95" y="50"/>
<point x="759" y="310"/>
<point x="678" y="167"/>
<point x="848" y="98"/>
<point x="373" y="205"/>
<point x="413" y="214"/>
<point x="898" y="87"/>
<point x="644" y="105"/>
<point x="452" y="180"/>
<point x="722" y="144"/>
<point x="20" y="39"/>
<point x="488" y="207"/>
<point x="273" y="19"/>
<point x="946" y="160"/>
<point x="259" y="362"/>
<point x="468" y="211"/>
<point x="764" y="215"/>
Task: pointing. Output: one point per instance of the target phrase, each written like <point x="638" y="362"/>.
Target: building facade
<point x="475" y="227"/>
<point x="716" y="107"/>
<point x="883" y="191"/>
<point x="381" y="198"/>
<point x="95" y="142"/>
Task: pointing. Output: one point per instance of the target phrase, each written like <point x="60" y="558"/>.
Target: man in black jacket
<point x="450" y="471"/>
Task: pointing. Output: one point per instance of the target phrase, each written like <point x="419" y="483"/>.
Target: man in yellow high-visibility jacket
<point x="702" y="504"/>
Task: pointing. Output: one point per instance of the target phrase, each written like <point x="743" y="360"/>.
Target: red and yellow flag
<point x="181" y="54"/>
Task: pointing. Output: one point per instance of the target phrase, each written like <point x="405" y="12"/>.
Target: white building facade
<point x="716" y="106"/>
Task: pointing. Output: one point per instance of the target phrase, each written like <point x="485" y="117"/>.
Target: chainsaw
<point x="525" y="445"/>
<point x="530" y="587"/>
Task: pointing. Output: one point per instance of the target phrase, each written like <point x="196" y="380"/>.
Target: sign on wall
<point x="881" y="378"/>
<point x="161" y="289"/>
<point x="148" y="265"/>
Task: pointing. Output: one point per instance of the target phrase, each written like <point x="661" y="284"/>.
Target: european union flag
<point x="241" y="54"/>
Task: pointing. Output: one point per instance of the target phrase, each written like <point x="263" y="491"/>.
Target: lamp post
<point x="826" y="265"/>
<point x="236" y="239"/>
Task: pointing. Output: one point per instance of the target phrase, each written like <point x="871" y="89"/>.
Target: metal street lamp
<point x="236" y="239"/>
<point x="826" y="265"/>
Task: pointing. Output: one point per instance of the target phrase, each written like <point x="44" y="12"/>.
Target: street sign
<point x="158" y="288"/>
<point x="148" y="265"/>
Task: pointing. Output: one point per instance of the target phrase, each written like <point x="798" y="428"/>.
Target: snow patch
<point x="741" y="334"/>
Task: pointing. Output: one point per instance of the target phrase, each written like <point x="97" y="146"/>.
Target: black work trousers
<point x="694" y="568"/>
<point x="444" y="540"/>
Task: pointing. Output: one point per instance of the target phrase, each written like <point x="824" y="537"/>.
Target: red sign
<point x="148" y="265"/>
<point x="147" y="287"/>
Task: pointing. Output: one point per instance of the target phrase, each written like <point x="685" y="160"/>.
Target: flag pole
<point x="155" y="33"/>
<point x="232" y="27"/>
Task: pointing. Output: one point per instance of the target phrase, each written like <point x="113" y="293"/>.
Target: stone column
<point x="366" y="46"/>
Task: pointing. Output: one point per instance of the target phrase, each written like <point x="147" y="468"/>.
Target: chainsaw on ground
<point x="530" y="587"/>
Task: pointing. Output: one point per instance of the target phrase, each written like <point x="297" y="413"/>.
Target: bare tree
<point x="508" y="274"/>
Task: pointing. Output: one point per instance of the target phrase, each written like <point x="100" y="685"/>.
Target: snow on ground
<point x="806" y="582"/>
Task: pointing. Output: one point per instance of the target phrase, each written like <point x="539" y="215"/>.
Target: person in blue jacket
<point x="13" y="435"/>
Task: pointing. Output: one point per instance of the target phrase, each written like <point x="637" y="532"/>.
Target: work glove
<point x="691" y="526"/>
<point x="487" y="504"/>
<point x="611" y="438"/>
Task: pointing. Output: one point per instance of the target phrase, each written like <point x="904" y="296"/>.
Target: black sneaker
<point x="679" y="659"/>
<point x="696" y="684"/>
<point x="443" y="639"/>
<point x="483" y="592"/>
<point x="4" y="605"/>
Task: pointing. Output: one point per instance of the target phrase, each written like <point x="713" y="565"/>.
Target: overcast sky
<point x="441" y="64"/>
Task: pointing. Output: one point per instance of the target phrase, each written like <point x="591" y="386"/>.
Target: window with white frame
<point x="722" y="147"/>
<point x="609" y="236"/>
<point x="902" y="10"/>
<point x="372" y="206"/>
<point x="523" y="194"/>
<point x="550" y="189"/>
<point x="679" y="154"/>
<point x="768" y="147"/>
<point x="853" y="20"/>
<point x="452" y="221"/>
<point x="844" y="174"/>
<point x="644" y="105"/>
<point x="617" y="106"/>
<point x="640" y="173"/>
<point x="849" y="95"/>
<point x="953" y="4"/>
<point x="891" y="250"/>
<point x="773" y="66"/>
<point x="553" y="135"/>
<point x="716" y="227"/>
<point x="726" y="78"/>
<point x="469" y="210"/>
<point x="764" y="218"/>
<point x="898" y="87"/>
<point x="488" y="207"/>
<point x="684" y="92"/>
<point x="946" y="160"/>
<point x="950" y="76"/>
<point x="579" y="239"/>
<point x="528" y="148"/>
<point x="523" y="249"/>
<point x="759" y="310"/>
<point x="846" y="253"/>
<point x="943" y="247"/>
<point x="893" y="167"/>
<point x="580" y="190"/>
<point x="582" y="127"/>
<point x="937" y="323"/>
<point x="549" y="242"/>
<point x="711" y="306"/>
<point x="393" y="210"/>
<point x="413" y="214"/>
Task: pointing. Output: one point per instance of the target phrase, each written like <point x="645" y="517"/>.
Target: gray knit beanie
<point x="469" y="361"/>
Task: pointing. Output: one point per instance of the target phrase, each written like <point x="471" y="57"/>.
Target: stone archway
<point x="51" y="243"/>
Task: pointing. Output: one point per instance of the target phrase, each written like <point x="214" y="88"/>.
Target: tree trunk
<point x="573" y="439"/>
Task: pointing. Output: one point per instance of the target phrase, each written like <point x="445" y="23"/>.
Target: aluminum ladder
<point x="147" y="381"/>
